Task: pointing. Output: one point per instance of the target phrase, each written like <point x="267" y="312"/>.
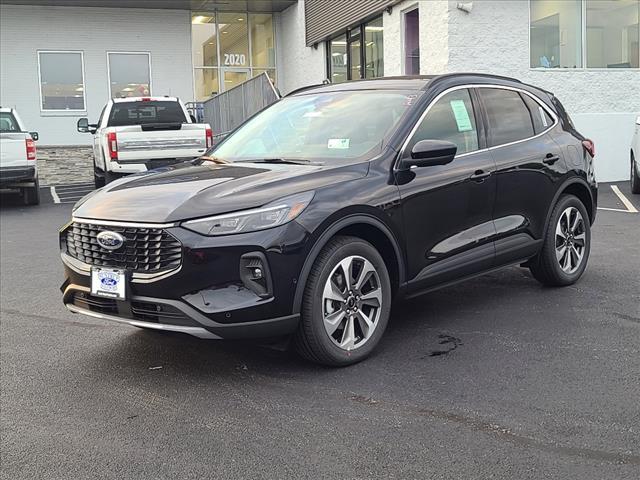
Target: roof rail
<point x="306" y="87"/>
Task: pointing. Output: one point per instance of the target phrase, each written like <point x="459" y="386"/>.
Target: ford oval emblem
<point x="110" y="240"/>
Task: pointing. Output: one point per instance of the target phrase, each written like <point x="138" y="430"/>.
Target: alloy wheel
<point x="352" y="302"/>
<point x="570" y="240"/>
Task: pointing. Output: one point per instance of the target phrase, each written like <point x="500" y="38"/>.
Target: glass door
<point x="232" y="77"/>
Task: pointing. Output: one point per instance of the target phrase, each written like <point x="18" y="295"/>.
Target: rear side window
<point x="143" y="113"/>
<point x="451" y="118"/>
<point x="541" y="119"/>
<point x="508" y="116"/>
<point x="8" y="122"/>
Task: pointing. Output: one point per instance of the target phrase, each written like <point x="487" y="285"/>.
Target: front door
<point x="232" y="77"/>
<point x="447" y="209"/>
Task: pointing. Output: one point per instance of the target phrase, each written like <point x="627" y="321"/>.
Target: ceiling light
<point x="374" y="29"/>
<point x="201" y="19"/>
<point x="79" y="89"/>
<point x="241" y="19"/>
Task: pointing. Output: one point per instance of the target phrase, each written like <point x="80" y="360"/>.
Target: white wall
<point x="24" y="30"/>
<point x="298" y="65"/>
<point x="494" y="38"/>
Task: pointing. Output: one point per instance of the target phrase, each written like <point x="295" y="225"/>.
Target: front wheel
<point x="346" y="304"/>
<point x="567" y="244"/>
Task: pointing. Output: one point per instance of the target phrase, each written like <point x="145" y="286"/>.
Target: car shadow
<point x="422" y="327"/>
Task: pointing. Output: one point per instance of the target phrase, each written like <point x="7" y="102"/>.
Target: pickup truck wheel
<point x="98" y="177"/>
<point x="346" y="304"/>
<point x="31" y="195"/>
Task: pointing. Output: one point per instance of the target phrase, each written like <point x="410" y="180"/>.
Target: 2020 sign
<point x="235" y="59"/>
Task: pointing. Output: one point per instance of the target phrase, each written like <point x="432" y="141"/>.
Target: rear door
<point x="447" y="208"/>
<point x="13" y="149"/>
<point x="528" y="165"/>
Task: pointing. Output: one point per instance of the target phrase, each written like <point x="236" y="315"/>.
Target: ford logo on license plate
<point x="110" y="240"/>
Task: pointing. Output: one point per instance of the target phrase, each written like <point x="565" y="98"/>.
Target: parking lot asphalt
<point x="497" y="377"/>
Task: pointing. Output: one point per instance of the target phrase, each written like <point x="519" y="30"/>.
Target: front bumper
<point x="171" y="316"/>
<point x="206" y="296"/>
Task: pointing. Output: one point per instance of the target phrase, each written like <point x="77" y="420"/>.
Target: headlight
<point x="271" y="215"/>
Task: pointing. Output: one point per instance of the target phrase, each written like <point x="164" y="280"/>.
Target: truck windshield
<point x="144" y="113"/>
<point x="8" y="122"/>
<point x="344" y="125"/>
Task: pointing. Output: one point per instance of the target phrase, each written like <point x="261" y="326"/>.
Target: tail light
<point x="589" y="146"/>
<point x="31" y="149"/>
<point x="209" y="138"/>
<point x="112" y="142"/>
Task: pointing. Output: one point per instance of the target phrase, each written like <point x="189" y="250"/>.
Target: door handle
<point x="550" y="159"/>
<point x="480" y="175"/>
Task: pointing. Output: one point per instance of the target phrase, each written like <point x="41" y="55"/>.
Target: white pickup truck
<point x="137" y="134"/>
<point x="18" y="157"/>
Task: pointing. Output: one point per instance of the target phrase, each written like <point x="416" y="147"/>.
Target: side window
<point x="508" y="116"/>
<point x="452" y="119"/>
<point x="541" y="119"/>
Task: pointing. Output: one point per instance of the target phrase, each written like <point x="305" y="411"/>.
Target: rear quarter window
<point x="541" y="119"/>
<point x="143" y="113"/>
<point x="8" y="122"/>
<point x="508" y="116"/>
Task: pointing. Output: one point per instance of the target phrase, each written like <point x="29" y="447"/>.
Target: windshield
<point x="145" y="112"/>
<point x="342" y="125"/>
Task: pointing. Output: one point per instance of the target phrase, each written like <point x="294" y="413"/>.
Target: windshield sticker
<point x="461" y="114"/>
<point x="342" y="143"/>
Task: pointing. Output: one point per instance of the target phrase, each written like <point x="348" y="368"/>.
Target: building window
<point x="229" y="48"/>
<point x="612" y="34"/>
<point x="609" y="29"/>
<point x="61" y="81"/>
<point x="373" y="49"/>
<point x="412" y="42"/>
<point x="129" y="74"/>
<point x="337" y="50"/>
<point x="357" y="53"/>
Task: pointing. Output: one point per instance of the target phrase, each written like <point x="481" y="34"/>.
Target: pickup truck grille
<point x="145" y="250"/>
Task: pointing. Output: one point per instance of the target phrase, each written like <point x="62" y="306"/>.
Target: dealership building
<point x="63" y="59"/>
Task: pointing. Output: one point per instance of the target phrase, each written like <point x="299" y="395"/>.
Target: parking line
<point x="56" y="198"/>
<point x="623" y="199"/>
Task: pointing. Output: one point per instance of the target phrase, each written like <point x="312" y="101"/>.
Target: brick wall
<point x="64" y="165"/>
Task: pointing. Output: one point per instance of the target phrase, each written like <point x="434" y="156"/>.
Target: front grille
<point x="145" y="250"/>
<point x="95" y="304"/>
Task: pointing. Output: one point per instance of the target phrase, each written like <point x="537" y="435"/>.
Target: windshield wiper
<point x="287" y="161"/>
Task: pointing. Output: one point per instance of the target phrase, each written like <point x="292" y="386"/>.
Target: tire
<point x="98" y="177"/>
<point x="31" y="195"/>
<point x="565" y="251"/>
<point x="333" y="330"/>
<point x="635" y="178"/>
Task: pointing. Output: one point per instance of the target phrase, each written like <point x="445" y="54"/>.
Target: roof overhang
<point x="198" y="5"/>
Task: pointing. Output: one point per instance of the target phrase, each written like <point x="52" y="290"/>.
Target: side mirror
<point x="427" y="153"/>
<point x="83" y="125"/>
<point x="193" y="119"/>
<point x="638" y="121"/>
<point x="34" y="136"/>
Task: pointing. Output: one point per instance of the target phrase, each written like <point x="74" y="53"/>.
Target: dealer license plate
<point x="108" y="282"/>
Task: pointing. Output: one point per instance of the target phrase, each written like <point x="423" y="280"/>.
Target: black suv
<point x="308" y="219"/>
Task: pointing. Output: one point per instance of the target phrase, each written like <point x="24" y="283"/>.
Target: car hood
<point x="188" y="191"/>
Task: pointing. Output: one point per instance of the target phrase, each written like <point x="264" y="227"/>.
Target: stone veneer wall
<point x="64" y="165"/>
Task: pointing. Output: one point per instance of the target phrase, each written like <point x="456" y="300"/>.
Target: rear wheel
<point x="346" y="304"/>
<point x="98" y="177"/>
<point x="31" y="195"/>
<point x="635" y="178"/>
<point x="567" y="244"/>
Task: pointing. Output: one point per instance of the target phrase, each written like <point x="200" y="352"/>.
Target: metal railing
<point x="226" y="111"/>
